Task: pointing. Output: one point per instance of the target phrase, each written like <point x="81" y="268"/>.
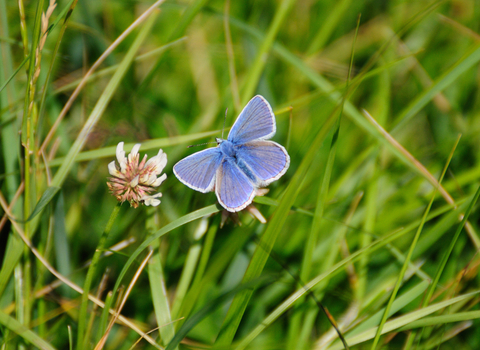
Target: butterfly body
<point x="227" y="148"/>
<point x="242" y="163"/>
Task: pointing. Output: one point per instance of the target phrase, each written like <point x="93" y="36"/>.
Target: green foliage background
<point x="342" y="223"/>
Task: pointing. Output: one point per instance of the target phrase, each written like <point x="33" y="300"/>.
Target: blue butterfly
<point x="242" y="163"/>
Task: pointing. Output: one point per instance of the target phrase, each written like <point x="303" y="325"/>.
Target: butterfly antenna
<point x="201" y="144"/>
<point x="224" y="121"/>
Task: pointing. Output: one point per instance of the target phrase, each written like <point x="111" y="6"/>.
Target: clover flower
<point x="134" y="182"/>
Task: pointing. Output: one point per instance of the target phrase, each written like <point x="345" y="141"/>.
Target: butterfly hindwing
<point x="233" y="188"/>
<point x="256" y="121"/>
<point x="198" y="170"/>
<point x="263" y="161"/>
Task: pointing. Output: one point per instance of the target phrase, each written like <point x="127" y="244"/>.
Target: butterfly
<point x="242" y="163"/>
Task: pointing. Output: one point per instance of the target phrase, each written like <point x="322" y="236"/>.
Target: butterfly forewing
<point x="267" y="161"/>
<point x="233" y="188"/>
<point x="256" y="121"/>
<point x="198" y="170"/>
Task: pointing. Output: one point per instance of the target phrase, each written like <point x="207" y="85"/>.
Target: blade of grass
<point x="328" y="26"/>
<point x="156" y="277"/>
<point x="146" y="145"/>
<point x="212" y="305"/>
<point x="66" y="13"/>
<point x="404" y="320"/>
<point x="103" y="322"/>
<point x="8" y="131"/>
<point x="441" y="320"/>
<point x="219" y="263"/>
<point x="164" y="230"/>
<point x="61" y="247"/>
<point x="260" y="60"/>
<point x="410" y="252"/>
<point x="82" y="341"/>
<point x="16" y="327"/>
<point x="190" y="265"/>
<point x="103" y="340"/>
<point x="187" y="17"/>
<point x="231" y="59"/>
<point x="111" y="69"/>
<point x="444" y="260"/>
<point x="467" y="61"/>
<point x="161" y="306"/>
<point x="25" y="60"/>
<point x="399" y="303"/>
<point x="399" y="150"/>
<point x="28" y="130"/>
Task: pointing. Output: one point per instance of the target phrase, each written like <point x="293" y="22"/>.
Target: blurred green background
<point x="344" y="215"/>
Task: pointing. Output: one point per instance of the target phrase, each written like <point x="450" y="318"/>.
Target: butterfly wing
<point x="262" y="161"/>
<point x="256" y="121"/>
<point x="198" y="170"/>
<point x="233" y="188"/>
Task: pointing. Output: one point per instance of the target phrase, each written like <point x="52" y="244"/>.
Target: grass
<point x="360" y="232"/>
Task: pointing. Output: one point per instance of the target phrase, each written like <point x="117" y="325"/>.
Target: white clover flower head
<point x="134" y="182"/>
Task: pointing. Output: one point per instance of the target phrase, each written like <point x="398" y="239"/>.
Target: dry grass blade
<point x="102" y="341"/>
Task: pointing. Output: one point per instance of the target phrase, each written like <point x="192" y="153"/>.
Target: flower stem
<point x="82" y="339"/>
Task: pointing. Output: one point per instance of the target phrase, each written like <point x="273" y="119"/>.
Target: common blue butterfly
<point x="242" y="163"/>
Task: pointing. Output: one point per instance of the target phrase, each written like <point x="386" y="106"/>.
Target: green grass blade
<point x="328" y="26"/>
<point x="65" y="14"/>
<point x="217" y="265"/>
<point x="191" y="263"/>
<point x="16" y="327"/>
<point x="60" y="243"/>
<point x="261" y="58"/>
<point x="404" y="320"/>
<point x="156" y="278"/>
<point x="410" y="252"/>
<point x="82" y="340"/>
<point x="399" y="303"/>
<point x="441" y="320"/>
<point x="164" y="230"/>
<point x="46" y="197"/>
<point x="212" y="305"/>
<point x="111" y="69"/>
<point x="467" y="61"/>
<point x="161" y="306"/>
<point x="8" y="131"/>
<point x="25" y="60"/>
<point x="146" y="145"/>
<point x="443" y="262"/>
<point x="179" y="30"/>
